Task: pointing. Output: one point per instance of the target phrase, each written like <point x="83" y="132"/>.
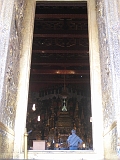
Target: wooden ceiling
<point x="60" y="45"/>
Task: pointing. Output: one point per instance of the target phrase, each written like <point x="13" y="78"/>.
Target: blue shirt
<point x="74" y="140"/>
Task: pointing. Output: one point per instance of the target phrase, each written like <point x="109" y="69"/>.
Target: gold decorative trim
<point x="113" y="125"/>
<point x="5" y="128"/>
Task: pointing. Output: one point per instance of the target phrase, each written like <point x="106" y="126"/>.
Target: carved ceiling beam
<point x="55" y="62"/>
<point x="59" y="3"/>
<point x="83" y="63"/>
<point x="50" y="71"/>
<point x="60" y="51"/>
<point x="61" y="81"/>
<point x="81" y="16"/>
<point x="82" y="35"/>
<point x="59" y="77"/>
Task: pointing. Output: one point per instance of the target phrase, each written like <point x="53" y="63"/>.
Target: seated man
<point x="74" y="141"/>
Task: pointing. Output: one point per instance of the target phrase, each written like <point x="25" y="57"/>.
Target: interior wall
<point x="108" y="17"/>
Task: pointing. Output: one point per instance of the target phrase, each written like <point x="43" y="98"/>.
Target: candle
<point x="33" y="108"/>
<point x="38" y="118"/>
<point x="83" y="145"/>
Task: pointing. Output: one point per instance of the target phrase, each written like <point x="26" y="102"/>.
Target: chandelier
<point x="64" y="96"/>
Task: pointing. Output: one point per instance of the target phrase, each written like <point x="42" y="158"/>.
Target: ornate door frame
<point x="95" y="75"/>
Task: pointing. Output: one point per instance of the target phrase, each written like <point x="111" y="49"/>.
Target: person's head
<point x="73" y="131"/>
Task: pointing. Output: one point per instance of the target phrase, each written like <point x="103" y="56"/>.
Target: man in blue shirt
<point x="74" y="141"/>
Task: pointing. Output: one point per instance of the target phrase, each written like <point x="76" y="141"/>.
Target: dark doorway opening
<point x="59" y="87"/>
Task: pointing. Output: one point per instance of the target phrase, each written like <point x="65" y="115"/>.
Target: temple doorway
<point x="59" y="89"/>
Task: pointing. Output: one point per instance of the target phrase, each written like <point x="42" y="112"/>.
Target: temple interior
<point x="59" y="89"/>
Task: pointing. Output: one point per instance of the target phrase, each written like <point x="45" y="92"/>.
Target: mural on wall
<point x="8" y="105"/>
<point x="108" y="26"/>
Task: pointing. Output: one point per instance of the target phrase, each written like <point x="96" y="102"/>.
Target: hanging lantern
<point x="64" y="96"/>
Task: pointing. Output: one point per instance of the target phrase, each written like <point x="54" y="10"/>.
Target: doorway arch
<point x="95" y="77"/>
